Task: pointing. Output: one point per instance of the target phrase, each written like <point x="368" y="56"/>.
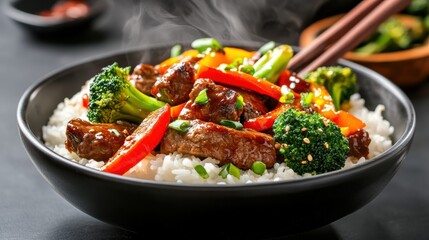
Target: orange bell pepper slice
<point x="213" y="59"/>
<point x="348" y="123"/>
<point x="233" y="53"/>
<point x="175" y="110"/>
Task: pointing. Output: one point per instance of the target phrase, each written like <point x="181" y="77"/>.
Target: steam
<point x="153" y="21"/>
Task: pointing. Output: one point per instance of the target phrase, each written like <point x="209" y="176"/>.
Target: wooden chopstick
<point x="365" y="24"/>
<point x="332" y="33"/>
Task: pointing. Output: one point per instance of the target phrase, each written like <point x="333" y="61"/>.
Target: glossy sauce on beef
<point x="207" y="139"/>
<point x="254" y="104"/>
<point x="221" y="104"/>
<point x="359" y="143"/>
<point x="176" y="84"/>
<point x="98" y="141"/>
<point x="144" y="77"/>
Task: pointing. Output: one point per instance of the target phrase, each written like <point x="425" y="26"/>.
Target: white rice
<point x="179" y="168"/>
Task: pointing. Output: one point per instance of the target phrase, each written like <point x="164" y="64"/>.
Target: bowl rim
<point x="311" y="32"/>
<point x="317" y="180"/>
<point x="96" y="8"/>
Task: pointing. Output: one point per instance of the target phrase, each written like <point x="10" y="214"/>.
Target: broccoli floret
<point x="112" y="97"/>
<point x="339" y="81"/>
<point x="310" y="143"/>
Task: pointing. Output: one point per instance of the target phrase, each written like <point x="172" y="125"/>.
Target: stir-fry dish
<point x="230" y="110"/>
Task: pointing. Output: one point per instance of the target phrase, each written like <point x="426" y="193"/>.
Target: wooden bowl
<point x="405" y="68"/>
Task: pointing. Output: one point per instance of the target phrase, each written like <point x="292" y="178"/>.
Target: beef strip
<point x="207" y="139"/>
<point x="191" y="59"/>
<point x="358" y="143"/>
<point x="254" y="104"/>
<point x="98" y="141"/>
<point x="222" y="103"/>
<point x="176" y="84"/>
<point x="144" y="77"/>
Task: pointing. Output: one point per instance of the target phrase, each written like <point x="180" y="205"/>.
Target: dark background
<point x="31" y="209"/>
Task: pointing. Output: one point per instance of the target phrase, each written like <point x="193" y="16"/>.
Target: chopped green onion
<point x="114" y="131"/>
<point x="287" y="95"/>
<point x="202" y="97"/>
<point x="230" y="169"/>
<point x="207" y="44"/>
<point x="267" y="47"/>
<point x="230" y="67"/>
<point x="180" y="125"/>
<point x="234" y="64"/>
<point x="240" y="102"/>
<point x="247" y="69"/>
<point x="231" y="124"/>
<point x="262" y="61"/>
<point x="239" y="65"/>
<point x="175" y="50"/>
<point x="259" y="167"/>
<point x="224" y="172"/>
<point x="201" y="171"/>
<point x="306" y="98"/>
<point x="234" y="171"/>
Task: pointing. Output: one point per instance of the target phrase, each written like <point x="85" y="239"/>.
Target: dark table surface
<point x="31" y="209"/>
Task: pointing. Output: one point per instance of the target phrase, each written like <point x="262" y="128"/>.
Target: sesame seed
<point x="306" y="140"/>
<point x="320" y="130"/>
<point x="287" y="128"/>
<point x="326" y="145"/>
<point x="303" y="129"/>
<point x="309" y="157"/>
<point x="285" y="145"/>
<point x="304" y="162"/>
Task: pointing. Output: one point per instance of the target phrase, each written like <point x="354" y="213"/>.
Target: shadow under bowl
<point x="406" y="68"/>
<point x="141" y="205"/>
<point x="26" y="14"/>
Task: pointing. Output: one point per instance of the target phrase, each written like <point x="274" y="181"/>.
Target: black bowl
<point x="25" y="13"/>
<point x="140" y="205"/>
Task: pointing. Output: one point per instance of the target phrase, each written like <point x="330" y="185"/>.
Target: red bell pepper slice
<point x="266" y="121"/>
<point x="85" y="100"/>
<point x="141" y="142"/>
<point x="239" y="79"/>
<point x="284" y="78"/>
